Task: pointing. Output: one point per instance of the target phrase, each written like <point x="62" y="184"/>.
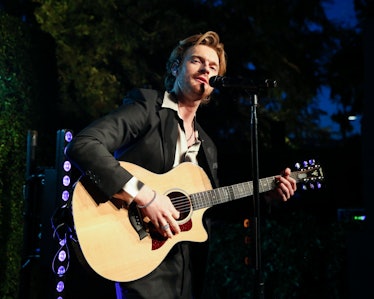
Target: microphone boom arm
<point x="226" y="82"/>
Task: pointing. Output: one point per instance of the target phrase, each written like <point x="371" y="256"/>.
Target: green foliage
<point x="103" y="49"/>
<point x="301" y="258"/>
<point x="14" y="105"/>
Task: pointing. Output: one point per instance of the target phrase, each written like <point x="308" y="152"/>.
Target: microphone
<point x="226" y="82"/>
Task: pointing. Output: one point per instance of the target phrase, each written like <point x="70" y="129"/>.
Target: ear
<point x="174" y="68"/>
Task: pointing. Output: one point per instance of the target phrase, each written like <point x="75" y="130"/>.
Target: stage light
<point x="60" y="286"/>
<point x="62" y="256"/>
<point x="60" y="263"/>
<point x="67" y="166"/>
<point x="351" y="215"/>
<point x="68" y="136"/>
<point x="65" y="195"/>
<point x="61" y="270"/>
<point x="66" y="181"/>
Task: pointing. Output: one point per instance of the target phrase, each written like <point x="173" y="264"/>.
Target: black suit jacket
<point x="140" y="132"/>
<point x="143" y="133"/>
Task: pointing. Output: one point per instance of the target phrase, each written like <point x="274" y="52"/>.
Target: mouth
<point x="202" y="79"/>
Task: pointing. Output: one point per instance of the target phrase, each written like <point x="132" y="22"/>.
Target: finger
<point x="175" y="226"/>
<point x="170" y="218"/>
<point x="166" y="230"/>
<point x="175" y="214"/>
<point x="165" y="227"/>
<point x="283" y="189"/>
<point x="287" y="186"/>
<point x="286" y="172"/>
<point x="291" y="180"/>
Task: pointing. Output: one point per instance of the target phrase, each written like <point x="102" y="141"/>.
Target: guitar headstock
<point x="309" y="174"/>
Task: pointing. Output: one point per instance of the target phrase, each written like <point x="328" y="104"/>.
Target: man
<point x="158" y="131"/>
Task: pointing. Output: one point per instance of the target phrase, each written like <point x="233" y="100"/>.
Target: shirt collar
<point x="169" y="102"/>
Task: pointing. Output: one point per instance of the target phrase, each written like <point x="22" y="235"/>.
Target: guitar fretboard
<point x="225" y="194"/>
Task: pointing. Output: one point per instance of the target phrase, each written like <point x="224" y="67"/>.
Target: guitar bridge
<point x="136" y="221"/>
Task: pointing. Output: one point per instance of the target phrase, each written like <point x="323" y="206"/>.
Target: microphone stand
<point x="252" y="89"/>
<point x="259" y="283"/>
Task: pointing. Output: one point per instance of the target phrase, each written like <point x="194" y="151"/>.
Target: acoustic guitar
<point x="120" y="245"/>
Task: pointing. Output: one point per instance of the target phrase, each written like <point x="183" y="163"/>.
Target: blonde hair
<point x="210" y="39"/>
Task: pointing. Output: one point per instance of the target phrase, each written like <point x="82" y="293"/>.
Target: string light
<point x="61" y="229"/>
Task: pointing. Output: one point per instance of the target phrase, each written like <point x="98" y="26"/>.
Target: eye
<point x="195" y="60"/>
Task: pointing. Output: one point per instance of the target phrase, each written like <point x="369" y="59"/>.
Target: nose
<point x="204" y="69"/>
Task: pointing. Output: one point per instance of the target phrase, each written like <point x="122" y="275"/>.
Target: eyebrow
<point x="202" y="58"/>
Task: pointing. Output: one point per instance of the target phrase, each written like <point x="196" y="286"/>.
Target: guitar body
<point x="118" y="244"/>
<point x="108" y="240"/>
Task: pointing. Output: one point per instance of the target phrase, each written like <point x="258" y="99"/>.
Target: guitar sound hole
<point x="182" y="203"/>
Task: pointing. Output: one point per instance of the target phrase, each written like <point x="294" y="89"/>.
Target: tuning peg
<point x="305" y="164"/>
<point x="311" y="185"/>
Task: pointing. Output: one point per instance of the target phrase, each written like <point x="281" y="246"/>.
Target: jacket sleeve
<point x="92" y="149"/>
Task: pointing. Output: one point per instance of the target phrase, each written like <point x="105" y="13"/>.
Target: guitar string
<point x="180" y="201"/>
<point x="183" y="205"/>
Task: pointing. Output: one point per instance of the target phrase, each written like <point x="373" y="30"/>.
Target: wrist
<point x="147" y="204"/>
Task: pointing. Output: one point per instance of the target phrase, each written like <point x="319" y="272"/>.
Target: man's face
<point x="200" y="63"/>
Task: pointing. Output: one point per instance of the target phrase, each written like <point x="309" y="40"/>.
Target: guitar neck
<point x="222" y="195"/>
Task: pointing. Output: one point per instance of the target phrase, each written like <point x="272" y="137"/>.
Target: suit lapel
<point x="169" y="128"/>
<point x="209" y="152"/>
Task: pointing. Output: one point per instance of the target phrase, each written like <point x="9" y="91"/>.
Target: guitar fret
<point x="225" y="194"/>
<point x="242" y="191"/>
<point x="266" y="184"/>
<point x="196" y="201"/>
<point x="213" y="196"/>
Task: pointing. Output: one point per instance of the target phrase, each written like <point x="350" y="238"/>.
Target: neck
<point x="187" y="112"/>
<point x="186" y="108"/>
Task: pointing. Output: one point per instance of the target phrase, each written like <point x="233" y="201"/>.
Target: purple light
<point x="67" y="166"/>
<point x="65" y="195"/>
<point x="62" y="255"/>
<point x="68" y="136"/>
<point x="61" y="270"/>
<point x="60" y="286"/>
<point x="66" y="180"/>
